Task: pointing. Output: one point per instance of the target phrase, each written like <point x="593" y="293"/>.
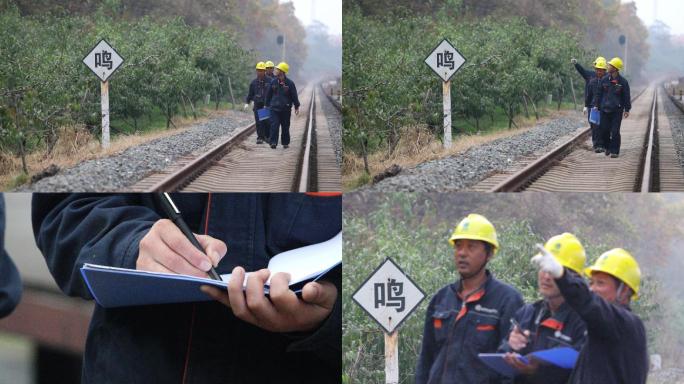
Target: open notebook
<point x="118" y="287"/>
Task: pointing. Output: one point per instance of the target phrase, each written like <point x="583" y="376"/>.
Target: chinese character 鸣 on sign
<point x="445" y="59"/>
<point x="103" y="59"/>
<point x="390" y="294"/>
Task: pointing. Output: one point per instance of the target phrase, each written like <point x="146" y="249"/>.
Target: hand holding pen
<point x="518" y="338"/>
<point x="169" y="248"/>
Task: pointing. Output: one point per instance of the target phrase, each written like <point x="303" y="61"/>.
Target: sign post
<point x="624" y="42"/>
<point x="445" y="61"/>
<point x="103" y="60"/>
<point x="389" y="296"/>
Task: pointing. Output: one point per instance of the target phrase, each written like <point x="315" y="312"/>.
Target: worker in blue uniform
<point x="616" y="349"/>
<point x="269" y="70"/>
<point x="470" y="316"/>
<point x="547" y="323"/>
<point x="281" y="95"/>
<point x="10" y="282"/>
<point x="614" y="101"/>
<point x="257" y="94"/>
<point x="283" y="339"/>
<point x="590" y="84"/>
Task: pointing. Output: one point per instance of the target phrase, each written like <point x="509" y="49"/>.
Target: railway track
<point x="648" y="160"/>
<point x="238" y="164"/>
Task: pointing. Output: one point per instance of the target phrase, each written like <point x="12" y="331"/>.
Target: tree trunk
<point x="192" y="108"/>
<point x="219" y="92"/>
<point x="185" y="110"/>
<point x="22" y="152"/>
<point x="527" y="111"/>
<point x="169" y="115"/>
<point x="230" y="88"/>
<point x="510" y="117"/>
<point x="574" y="98"/>
<point x="534" y="108"/>
<point x="364" y="153"/>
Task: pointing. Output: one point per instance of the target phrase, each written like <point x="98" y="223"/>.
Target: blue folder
<point x="595" y="116"/>
<point x="496" y="362"/>
<point x="119" y="287"/>
<point x="263" y="113"/>
<point x="564" y="357"/>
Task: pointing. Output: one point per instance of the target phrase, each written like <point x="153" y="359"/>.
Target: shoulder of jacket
<point x="503" y="288"/>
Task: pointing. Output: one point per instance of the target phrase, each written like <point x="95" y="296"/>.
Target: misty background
<point x="311" y="28"/>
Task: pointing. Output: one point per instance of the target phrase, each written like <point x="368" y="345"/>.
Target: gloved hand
<point x="547" y="263"/>
<point x="573" y="61"/>
<point x="245" y="107"/>
<point x="584" y="110"/>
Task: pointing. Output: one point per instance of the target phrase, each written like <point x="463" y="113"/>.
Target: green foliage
<point x="168" y="66"/>
<point x="409" y="229"/>
<point x="387" y="85"/>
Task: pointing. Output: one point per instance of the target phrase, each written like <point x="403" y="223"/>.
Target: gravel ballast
<point x="476" y="163"/>
<point x="676" y="118"/>
<point x="117" y="172"/>
<point x="334" y="120"/>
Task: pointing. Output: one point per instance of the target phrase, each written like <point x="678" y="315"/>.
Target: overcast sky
<point x="328" y="12"/>
<point x="671" y="12"/>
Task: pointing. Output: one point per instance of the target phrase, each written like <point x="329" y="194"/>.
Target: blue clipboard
<point x="595" y="116"/>
<point x="564" y="357"/>
<point x="264" y="114"/>
<point x="496" y="362"/>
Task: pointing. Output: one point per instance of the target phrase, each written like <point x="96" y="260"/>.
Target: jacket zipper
<point x="192" y="318"/>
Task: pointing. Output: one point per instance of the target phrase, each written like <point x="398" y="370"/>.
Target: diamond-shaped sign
<point x="445" y="60"/>
<point x="103" y="60"/>
<point x="389" y="296"/>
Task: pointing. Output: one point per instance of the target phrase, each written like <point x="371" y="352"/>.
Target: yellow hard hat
<point x="600" y="58"/>
<point x="283" y="67"/>
<point x="600" y="63"/>
<point x="261" y="65"/>
<point x="619" y="263"/>
<point x="269" y="64"/>
<point x="475" y="227"/>
<point x="616" y="62"/>
<point x="568" y="251"/>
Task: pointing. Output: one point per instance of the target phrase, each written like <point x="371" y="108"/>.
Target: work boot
<point x="607" y="152"/>
<point x="598" y="149"/>
<point x="273" y="146"/>
<point x="259" y="140"/>
<point x="614" y="155"/>
<point x="285" y="146"/>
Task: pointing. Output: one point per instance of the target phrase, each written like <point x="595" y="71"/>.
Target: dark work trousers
<point x="595" y="136"/>
<point x="262" y="127"/>
<point x="610" y="130"/>
<point x="280" y="119"/>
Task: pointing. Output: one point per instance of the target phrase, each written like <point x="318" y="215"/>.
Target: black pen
<point x="174" y="215"/>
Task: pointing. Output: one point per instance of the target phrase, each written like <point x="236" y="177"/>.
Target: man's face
<point x="260" y="73"/>
<point x="547" y="285"/>
<point x="279" y="74"/>
<point x="600" y="72"/>
<point x="469" y="256"/>
<point x="603" y="285"/>
<point x="611" y="69"/>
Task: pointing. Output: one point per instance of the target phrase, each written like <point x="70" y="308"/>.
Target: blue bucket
<point x="263" y="113"/>
<point x="595" y="116"/>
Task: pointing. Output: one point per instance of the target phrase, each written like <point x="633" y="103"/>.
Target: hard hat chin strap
<point x="484" y="264"/>
<point x="620" y="289"/>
